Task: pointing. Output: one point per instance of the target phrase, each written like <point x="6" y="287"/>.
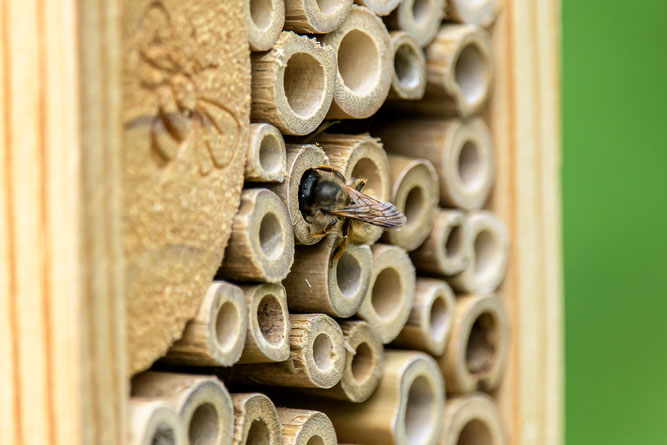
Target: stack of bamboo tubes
<point x="403" y="337"/>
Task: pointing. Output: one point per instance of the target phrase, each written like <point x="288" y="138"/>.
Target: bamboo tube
<point x="268" y="324"/>
<point x="415" y="194"/>
<point x="406" y="408"/>
<point x="316" y="359"/>
<point x="202" y="403"/>
<point x="217" y="334"/>
<point x="300" y="158"/>
<point x="409" y="79"/>
<point x="364" y="65"/>
<point x="444" y="252"/>
<point x="153" y="422"/>
<point x="360" y="156"/>
<point x="459" y="72"/>
<point x="419" y="18"/>
<point x="488" y="243"/>
<point x="318" y="282"/>
<point x="430" y="321"/>
<point x="266" y="155"/>
<point x="379" y="7"/>
<point x="363" y="364"/>
<point x="293" y="84"/>
<point x="256" y="420"/>
<point x="315" y="16"/>
<point x="478" y="346"/>
<point x="264" y="21"/>
<point x="472" y="419"/>
<point x="261" y="247"/>
<point x="461" y="151"/>
<point x="303" y="427"/>
<point x="391" y="292"/>
<point x="475" y="12"/>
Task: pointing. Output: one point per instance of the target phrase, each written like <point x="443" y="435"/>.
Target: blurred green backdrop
<point x="615" y="220"/>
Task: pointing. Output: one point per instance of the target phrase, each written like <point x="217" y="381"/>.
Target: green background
<point x="615" y="220"/>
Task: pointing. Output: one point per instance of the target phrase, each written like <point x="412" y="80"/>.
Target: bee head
<point x="329" y="193"/>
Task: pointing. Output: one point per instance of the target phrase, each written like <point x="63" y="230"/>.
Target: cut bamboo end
<point x="153" y="422"/>
<point x="320" y="283"/>
<point x="315" y="16"/>
<point x="216" y="336"/>
<point x="481" y="13"/>
<point x="293" y="84"/>
<point x="268" y="325"/>
<point x="419" y="18"/>
<point x="430" y="321"/>
<point x="266" y="155"/>
<point x="391" y="292"/>
<point x="202" y="403"/>
<point x="264" y="21"/>
<point x="360" y="156"/>
<point x="409" y="79"/>
<point x="304" y="427"/>
<point x="407" y="406"/>
<point x="488" y="242"/>
<point x="415" y="194"/>
<point x="316" y="359"/>
<point x="364" y="65"/>
<point x="379" y="7"/>
<point x="459" y="71"/>
<point x="473" y="419"/>
<point x="478" y="345"/>
<point x="300" y="159"/>
<point x="445" y="251"/>
<point x="261" y="247"/>
<point x="363" y="364"/>
<point x="256" y="420"/>
<point x="461" y="151"/>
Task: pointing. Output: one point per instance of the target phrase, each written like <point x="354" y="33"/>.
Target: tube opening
<point x="386" y="293"/>
<point x="475" y="432"/>
<point x="470" y="168"/>
<point x="414" y="206"/>
<point x="367" y="169"/>
<point x="348" y="274"/>
<point x="362" y="363"/>
<point x="315" y="440"/>
<point x="406" y="66"/>
<point x="358" y="62"/>
<point x="328" y="7"/>
<point x="260" y="13"/>
<point x="439" y="318"/>
<point x="481" y="347"/>
<point x="470" y="74"/>
<point x="270" y="154"/>
<point x="421" y="10"/>
<point x="488" y="254"/>
<point x="304" y="84"/>
<point x="271" y="236"/>
<point x="419" y="421"/>
<point x="258" y="434"/>
<point x="270" y="319"/>
<point x="203" y="428"/>
<point x="323" y="353"/>
<point x="227" y="326"/>
<point x="454" y="241"/>
<point x="163" y="435"/>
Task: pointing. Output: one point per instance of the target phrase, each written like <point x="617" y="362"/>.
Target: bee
<point x="326" y="198"/>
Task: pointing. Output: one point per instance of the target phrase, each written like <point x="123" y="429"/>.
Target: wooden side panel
<point x="62" y="357"/>
<point x="525" y="118"/>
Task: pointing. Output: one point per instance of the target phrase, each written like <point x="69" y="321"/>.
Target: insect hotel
<point x="279" y="222"/>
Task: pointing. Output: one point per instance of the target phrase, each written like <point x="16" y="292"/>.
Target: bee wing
<point x="370" y="210"/>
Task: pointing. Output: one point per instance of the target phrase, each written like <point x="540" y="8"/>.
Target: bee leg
<point x="358" y="184"/>
<point x="328" y="228"/>
<point x="327" y="168"/>
<point x="342" y="244"/>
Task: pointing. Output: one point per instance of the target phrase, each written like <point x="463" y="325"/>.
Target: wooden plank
<point x="524" y="116"/>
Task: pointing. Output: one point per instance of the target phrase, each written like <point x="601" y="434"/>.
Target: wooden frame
<point x="62" y="318"/>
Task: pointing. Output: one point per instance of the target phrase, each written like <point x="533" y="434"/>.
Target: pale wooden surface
<point x="525" y="121"/>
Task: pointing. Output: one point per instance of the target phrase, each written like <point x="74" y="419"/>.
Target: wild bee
<point x="326" y="198"/>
